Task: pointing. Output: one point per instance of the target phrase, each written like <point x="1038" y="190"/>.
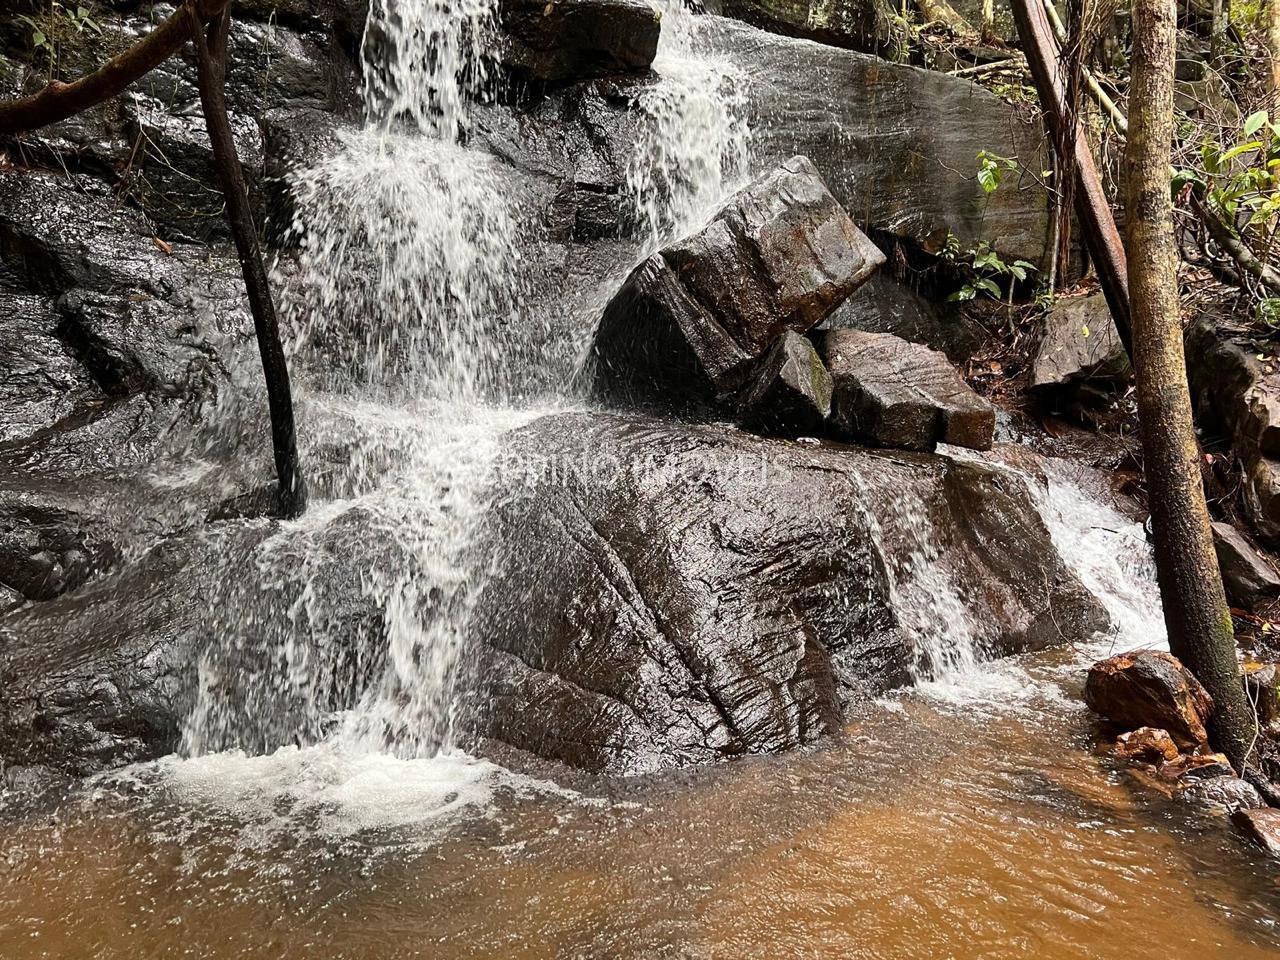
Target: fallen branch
<point x="1099" y="226"/>
<point x="58" y="101"/>
<point x="1012" y="63"/>
<point x="211" y="68"/>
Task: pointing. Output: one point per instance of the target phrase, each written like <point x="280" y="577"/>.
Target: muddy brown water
<point x="972" y="820"/>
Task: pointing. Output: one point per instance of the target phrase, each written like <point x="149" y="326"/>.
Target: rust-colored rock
<point x="1150" y="688"/>
<point x="1191" y="767"/>
<point x="1148" y="744"/>
<point x="1262" y="826"/>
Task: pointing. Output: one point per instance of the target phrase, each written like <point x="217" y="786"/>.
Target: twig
<point x="1104" y="99"/>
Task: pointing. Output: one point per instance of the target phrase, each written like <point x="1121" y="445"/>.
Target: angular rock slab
<point x="1248" y="578"/>
<point x="1080" y="342"/>
<point x="564" y="40"/>
<point x="897" y="394"/>
<point x="790" y="393"/>
<point x="690" y="321"/>
<point x="1150" y="688"/>
<point x="665" y="594"/>
<point x="1262" y="826"/>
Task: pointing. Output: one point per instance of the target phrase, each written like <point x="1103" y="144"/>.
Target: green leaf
<point x="987" y="285"/>
<point x="1238" y="149"/>
<point x="989" y="179"/>
<point x="1254" y="123"/>
<point x="39" y="39"/>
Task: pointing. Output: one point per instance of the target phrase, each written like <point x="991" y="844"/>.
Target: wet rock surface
<point x="690" y="322"/>
<point x="791" y="392"/>
<point x="885" y="305"/>
<point x="725" y="594"/>
<point x="871" y="26"/>
<point x="578" y="39"/>
<point x="897" y="394"/>
<point x="1260" y="826"/>
<point x="1223" y="793"/>
<point x="1150" y="688"/>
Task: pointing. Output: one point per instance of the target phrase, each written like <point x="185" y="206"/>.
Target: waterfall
<point x="405" y="308"/>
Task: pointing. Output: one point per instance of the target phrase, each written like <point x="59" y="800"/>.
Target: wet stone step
<point x="893" y="393"/>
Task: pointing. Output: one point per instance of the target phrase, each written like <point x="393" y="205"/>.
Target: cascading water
<point x="695" y="144"/>
<point x="406" y="308"/>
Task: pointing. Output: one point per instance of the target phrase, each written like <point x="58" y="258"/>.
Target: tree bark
<point x="1092" y="208"/>
<point x="58" y="101"/>
<point x="1195" y="607"/>
<point x="211" y="60"/>
<point x="1273" y="50"/>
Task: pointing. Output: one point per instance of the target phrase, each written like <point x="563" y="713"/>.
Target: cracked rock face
<point x="671" y="594"/>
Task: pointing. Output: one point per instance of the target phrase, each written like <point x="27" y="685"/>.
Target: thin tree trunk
<point x="1273" y="51"/>
<point x="1195" y="608"/>
<point x="1218" y="31"/>
<point x="58" y="101"/>
<point x="211" y="61"/>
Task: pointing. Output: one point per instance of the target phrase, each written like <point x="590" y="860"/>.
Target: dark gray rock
<point x="690" y="322"/>
<point x="568" y="40"/>
<point x="908" y="172"/>
<point x="1079" y="342"/>
<point x="871" y="26"/>
<point x="790" y="393"/>
<point x="899" y="394"/>
<point x="1262" y="685"/>
<point x="1236" y="386"/>
<point x="1248" y="578"/>
<point x="884" y="305"/>
<point x="718" y="593"/>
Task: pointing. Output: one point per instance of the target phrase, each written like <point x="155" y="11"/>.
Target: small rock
<point x="1228" y="792"/>
<point x="1262" y="826"/>
<point x="1246" y="575"/>
<point x="791" y="392"/>
<point x="1150" y="688"/>
<point x="565" y="40"/>
<point x="1146" y="743"/>
<point x="690" y="322"/>
<point x="899" y="394"/>
<point x="1080" y="342"/>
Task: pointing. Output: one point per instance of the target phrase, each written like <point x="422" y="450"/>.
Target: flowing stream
<point x="966" y="817"/>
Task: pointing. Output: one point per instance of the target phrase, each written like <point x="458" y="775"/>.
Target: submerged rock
<point x="717" y="593"/>
<point x="1248" y="578"/>
<point x="898" y="394"/>
<point x="1150" y="688"/>
<point x="1146" y="743"/>
<point x="565" y="40"/>
<point x="690" y="322"/>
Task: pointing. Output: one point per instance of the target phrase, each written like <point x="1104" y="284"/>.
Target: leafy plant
<point x="985" y="268"/>
<point x="991" y="170"/>
<point x="52" y="30"/>
<point x="1241" y="180"/>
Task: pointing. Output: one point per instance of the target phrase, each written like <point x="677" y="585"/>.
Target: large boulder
<point x="897" y="394"/>
<point x="691" y="321"/>
<point x="1150" y="688"/>
<point x="567" y="40"/>
<point x="717" y="593"/>
<point x="1262" y="826"/>
<point x="791" y="392"/>
<point x="872" y="26"/>
<point x="898" y="145"/>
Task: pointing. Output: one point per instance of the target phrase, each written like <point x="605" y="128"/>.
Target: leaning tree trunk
<point x="1195" y="608"/>
<point x="211" y="66"/>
